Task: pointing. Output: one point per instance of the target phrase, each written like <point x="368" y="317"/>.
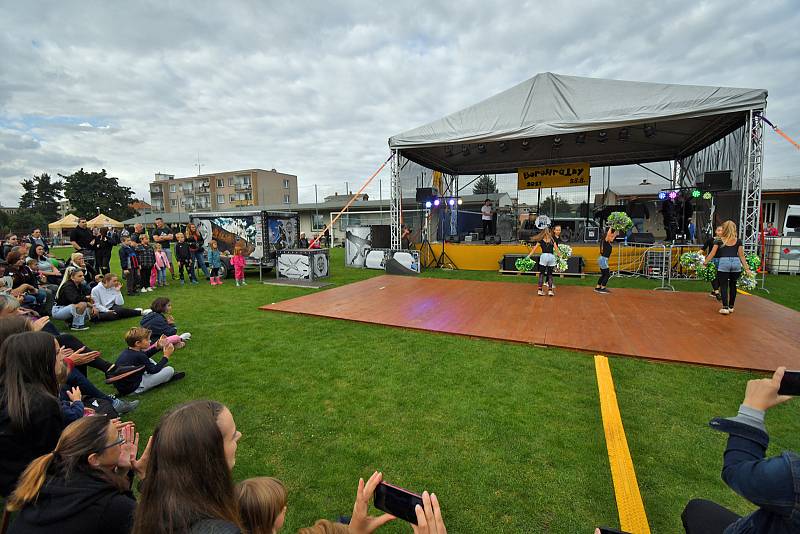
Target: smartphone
<point x="606" y="530"/>
<point x="397" y="501"/>
<point x="790" y="385"/>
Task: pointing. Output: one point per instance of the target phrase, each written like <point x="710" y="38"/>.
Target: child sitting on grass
<point x="161" y="323"/>
<point x="262" y="504"/>
<point x="139" y="354"/>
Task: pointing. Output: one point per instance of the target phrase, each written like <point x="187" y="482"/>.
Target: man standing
<point x="163" y="235"/>
<point x="81" y="237"/>
<point x="486" y="218"/>
<point x="138" y="230"/>
<point x="638" y="212"/>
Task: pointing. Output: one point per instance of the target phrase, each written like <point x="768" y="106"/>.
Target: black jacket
<point x="84" y="503"/>
<point x="147" y="256"/>
<point x="158" y="326"/>
<point x="71" y="293"/>
<point x="20" y="448"/>
<point x="83" y="237"/>
<point x="182" y="251"/>
<point x="135" y="358"/>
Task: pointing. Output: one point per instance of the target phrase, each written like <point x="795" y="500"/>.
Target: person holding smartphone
<point x="772" y="484"/>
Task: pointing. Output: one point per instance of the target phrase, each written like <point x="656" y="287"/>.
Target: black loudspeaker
<point x="424" y="194"/>
<point x="643" y="238"/>
<point x="717" y="181"/>
<point x="591" y="234"/>
<point x="395" y="267"/>
<point x="492" y="240"/>
<point x="454" y="238"/>
<point x="381" y="236"/>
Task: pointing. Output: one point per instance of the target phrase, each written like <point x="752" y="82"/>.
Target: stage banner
<point x="547" y="176"/>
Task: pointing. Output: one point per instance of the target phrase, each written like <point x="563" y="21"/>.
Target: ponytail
<point x="68" y="272"/>
<point x="30" y="483"/>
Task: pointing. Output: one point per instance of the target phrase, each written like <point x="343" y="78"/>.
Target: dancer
<point x="731" y="261"/>
<point x="547" y="260"/>
<point x="707" y="246"/>
<point x="238" y="263"/>
<point x="602" y="261"/>
<point x="215" y="263"/>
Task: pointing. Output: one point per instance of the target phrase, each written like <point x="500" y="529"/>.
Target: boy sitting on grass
<point x="138" y="354"/>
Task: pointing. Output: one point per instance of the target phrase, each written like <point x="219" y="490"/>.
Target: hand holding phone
<point x="790" y="384"/>
<point x="764" y="393"/>
<point x="397" y="501"/>
<point x="361" y="521"/>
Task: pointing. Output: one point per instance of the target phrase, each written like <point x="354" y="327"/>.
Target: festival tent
<point x="553" y="118"/>
<point x="70" y="221"/>
<point x="103" y="221"/>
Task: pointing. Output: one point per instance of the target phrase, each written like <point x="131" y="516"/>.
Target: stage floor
<point x="660" y="325"/>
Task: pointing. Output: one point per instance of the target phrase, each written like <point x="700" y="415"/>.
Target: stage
<point x="660" y="325"/>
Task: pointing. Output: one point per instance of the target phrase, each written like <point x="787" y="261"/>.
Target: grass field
<point x="508" y="436"/>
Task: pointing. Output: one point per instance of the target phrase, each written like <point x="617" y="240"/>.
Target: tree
<point x="90" y="191"/>
<point x="484" y="185"/>
<point x="41" y="196"/>
<point x="552" y="206"/>
<point x="25" y="220"/>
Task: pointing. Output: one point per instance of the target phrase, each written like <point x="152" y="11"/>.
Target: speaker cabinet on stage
<point x="591" y="234"/>
<point x="456" y="238"/>
<point x="492" y="240"/>
<point x="381" y="236"/>
<point x="424" y="194"/>
<point x="716" y="181"/>
<point x="643" y="238"/>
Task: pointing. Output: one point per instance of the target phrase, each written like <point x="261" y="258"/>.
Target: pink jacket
<point x="162" y="261"/>
<point x="238" y="262"/>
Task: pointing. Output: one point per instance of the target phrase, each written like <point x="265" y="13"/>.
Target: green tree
<point x="41" y="195"/>
<point x="90" y="191"/>
<point x="553" y="207"/>
<point x="25" y="220"/>
<point x="484" y="185"/>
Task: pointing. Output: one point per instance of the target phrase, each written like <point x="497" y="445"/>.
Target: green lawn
<point x="508" y="436"/>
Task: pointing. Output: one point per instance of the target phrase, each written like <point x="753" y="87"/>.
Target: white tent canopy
<point x="552" y="118"/>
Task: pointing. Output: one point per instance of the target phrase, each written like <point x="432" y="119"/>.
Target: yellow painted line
<point x="742" y="292"/>
<point x="632" y="517"/>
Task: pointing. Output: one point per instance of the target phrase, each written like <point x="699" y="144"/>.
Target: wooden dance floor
<point x="660" y="325"/>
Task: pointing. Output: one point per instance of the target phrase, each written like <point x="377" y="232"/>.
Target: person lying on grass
<point x="161" y="323"/>
<point x="138" y="356"/>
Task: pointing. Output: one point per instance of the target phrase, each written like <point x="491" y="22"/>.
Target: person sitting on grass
<point x="84" y="484"/>
<point x="772" y="484"/>
<point x="73" y="303"/>
<point x="262" y="504"/>
<point x="161" y="323"/>
<point x="78" y="260"/>
<point x="109" y="302"/>
<point x="139" y="354"/>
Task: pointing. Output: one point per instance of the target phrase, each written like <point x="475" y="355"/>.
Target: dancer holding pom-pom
<point x="731" y="261"/>
<point x="602" y="261"/>
<point x="547" y="260"/>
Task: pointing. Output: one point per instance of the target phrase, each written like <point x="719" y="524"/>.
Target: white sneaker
<point x="143" y="290"/>
<point x="186" y="336"/>
<point x="150" y="289"/>
<point x="138" y="310"/>
<point x="146" y="311"/>
<point x="724" y="311"/>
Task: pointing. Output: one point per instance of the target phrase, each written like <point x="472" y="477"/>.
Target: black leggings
<point x="705" y="517"/>
<point x="715" y="283"/>
<point x="605" y="274"/>
<point x="727" y="286"/>
<point x="215" y="271"/>
<point x="546" y="274"/>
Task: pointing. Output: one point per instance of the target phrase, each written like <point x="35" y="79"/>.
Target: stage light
<point x="662" y="195"/>
<point x="465" y="150"/>
<point x="503" y="146"/>
<point x="428" y="204"/>
<point x="460" y="201"/>
<point x="526" y="144"/>
<point x="556" y="142"/>
<point x="436" y="202"/>
<point x="602" y="136"/>
<point x="706" y="196"/>
<point x="649" y="130"/>
<point x="695" y="194"/>
<point x="673" y="195"/>
<point x="481" y="148"/>
<point x="451" y="201"/>
<point x="580" y="139"/>
<point x="624" y="134"/>
<point x="448" y="151"/>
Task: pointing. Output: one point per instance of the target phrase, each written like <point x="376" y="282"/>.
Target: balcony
<point x="243" y="186"/>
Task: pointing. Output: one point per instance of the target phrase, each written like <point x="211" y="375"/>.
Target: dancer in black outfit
<point x="547" y="260"/>
<point x="707" y="247"/>
<point x="731" y="262"/>
<point x="605" y="254"/>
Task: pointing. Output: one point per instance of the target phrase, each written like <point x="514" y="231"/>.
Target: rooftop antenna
<point x="199" y="164"/>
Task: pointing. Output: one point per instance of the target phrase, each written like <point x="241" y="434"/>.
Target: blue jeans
<point x="68" y="313"/>
<point x="729" y="265"/>
<point x="161" y="276"/>
<point x="200" y="260"/>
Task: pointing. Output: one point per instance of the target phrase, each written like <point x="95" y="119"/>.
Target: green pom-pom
<point x="561" y="265"/>
<point x="746" y="282"/>
<point x="524" y="264"/>
<point x="564" y="251"/>
<point x="707" y="273"/>
<point x="692" y="260"/>
<point x="753" y="261"/>
<point x="619" y="221"/>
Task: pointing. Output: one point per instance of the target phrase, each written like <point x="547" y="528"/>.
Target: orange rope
<point x="780" y="132"/>
<point x="329" y="226"/>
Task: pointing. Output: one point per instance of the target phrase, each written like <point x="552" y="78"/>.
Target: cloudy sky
<point x="316" y="88"/>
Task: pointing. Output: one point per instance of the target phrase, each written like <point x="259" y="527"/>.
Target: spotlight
<point x="503" y="146"/>
<point x="448" y="151"/>
<point x="706" y="196"/>
<point x="580" y="139"/>
<point x="481" y="148"/>
<point x="526" y="144"/>
<point x="460" y="201"/>
<point x="624" y="134"/>
<point x="649" y="130"/>
<point x="695" y="194"/>
<point x="451" y="201"/>
<point x="436" y="202"/>
<point x="673" y="195"/>
<point x="428" y="204"/>
<point x="465" y="150"/>
<point x="602" y="136"/>
<point x="556" y="142"/>
<point x="662" y="195"/>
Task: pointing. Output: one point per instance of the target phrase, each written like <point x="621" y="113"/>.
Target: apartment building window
<point x="286" y="184"/>
<point x="220" y="199"/>
<point x="232" y="198"/>
<point x="173" y="202"/>
<point x="173" y="188"/>
<point x="230" y="181"/>
<point x="317" y="221"/>
<point x="220" y="182"/>
<point x="285" y="199"/>
<point x="248" y="196"/>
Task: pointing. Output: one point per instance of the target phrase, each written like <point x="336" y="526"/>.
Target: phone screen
<point x="606" y="530"/>
<point x="790" y="385"/>
<point x="397" y="501"/>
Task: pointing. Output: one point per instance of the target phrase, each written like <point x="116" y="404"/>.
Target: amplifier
<point x="591" y="234"/>
<point x="644" y="238"/>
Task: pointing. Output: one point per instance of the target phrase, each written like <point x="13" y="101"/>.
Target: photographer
<point x="772" y="484"/>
